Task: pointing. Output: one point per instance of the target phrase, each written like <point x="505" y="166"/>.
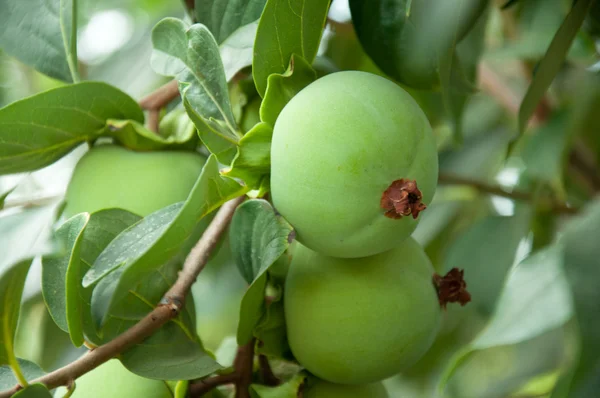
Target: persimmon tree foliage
<point x="299" y="198"/>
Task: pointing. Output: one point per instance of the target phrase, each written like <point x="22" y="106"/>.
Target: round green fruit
<point x="323" y="389"/>
<point x="140" y="182"/>
<point x="338" y="146"/>
<point x="112" y="379"/>
<point x="356" y="321"/>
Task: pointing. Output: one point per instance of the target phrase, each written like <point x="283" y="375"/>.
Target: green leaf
<point x="407" y="40"/>
<point x="501" y="371"/>
<point x="12" y="281"/>
<point x="174" y="352"/>
<point x="581" y="268"/>
<point x="223" y="17"/>
<point x="236" y="51"/>
<point x="290" y="389"/>
<point x="30" y="370"/>
<point x="553" y="60"/>
<point x="103" y="227"/>
<point x="148" y="244"/>
<point x="191" y="54"/>
<point x="496" y="240"/>
<point x="271" y="332"/>
<point x="4" y="195"/>
<point x="535" y="300"/>
<point x="286" y="28"/>
<point x="35" y="32"/>
<point x="281" y="88"/>
<point x="136" y="136"/>
<point x="38" y="130"/>
<point x="34" y="391"/>
<point x="258" y="238"/>
<point x="458" y="72"/>
<point x="55" y="285"/>
<point x="536" y="287"/>
<point x="545" y="153"/>
<point x="252" y="163"/>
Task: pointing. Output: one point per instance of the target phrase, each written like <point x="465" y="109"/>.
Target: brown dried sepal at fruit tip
<point x="402" y="198"/>
<point x="452" y="288"/>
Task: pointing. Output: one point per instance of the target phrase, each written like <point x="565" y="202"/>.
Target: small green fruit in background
<point x="338" y="145"/>
<point x="356" y="321"/>
<point x="140" y="182"/>
<point x="323" y="389"/>
<point x="113" y="380"/>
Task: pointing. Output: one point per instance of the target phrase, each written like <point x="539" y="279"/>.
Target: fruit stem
<point x="157" y="100"/>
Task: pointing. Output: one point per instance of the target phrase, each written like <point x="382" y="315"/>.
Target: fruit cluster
<point x="353" y="163"/>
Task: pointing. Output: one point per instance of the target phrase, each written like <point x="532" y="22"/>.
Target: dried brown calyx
<point x="402" y="198"/>
<point x="452" y="288"/>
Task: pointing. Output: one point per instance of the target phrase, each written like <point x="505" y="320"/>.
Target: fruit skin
<point x="112" y="379"/>
<point x="337" y="146"/>
<point x="323" y="389"/>
<point x="356" y="321"/>
<point x="140" y="182"/>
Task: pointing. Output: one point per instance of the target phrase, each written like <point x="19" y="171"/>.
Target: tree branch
<point x="267" y="376"/>
<point x="241" y="376"/>
<point x="557" y="207"/>
<point x="157" y="100"/>
<point x="169" y="308"/>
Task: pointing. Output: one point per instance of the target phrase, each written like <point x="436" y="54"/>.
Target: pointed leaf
<point x="252" y="163"/>
<point x="12" y="281"/>
<point x="581" y="268"/>
<point x="136" y="136"/>
<point x="104" y="226"/>
<point x="54" y="275"/>
<point x="38" y="130"/>
<point x="223" y="17"/>
<point x="191" y="54"/>
<point x="286" y="28"/>
<point x="553" y="60"/>
<point x="35" y="32"/>
<point x="281" y="88"/>
<point x="258" y="238"/>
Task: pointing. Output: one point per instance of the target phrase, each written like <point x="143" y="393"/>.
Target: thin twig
<point x="558" y="207"/>
<point x="243" y="364"/>
<point x="157" y="100"/>
<point x="199" y="388"/>
<point x="494" y="85"/>
<point x="170" y="307"/>
<point x="267" y="376"/>
<point x="241" y="376"/>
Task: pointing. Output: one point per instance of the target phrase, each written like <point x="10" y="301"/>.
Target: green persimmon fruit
<point x="323" y="389"/>
<point x="360" y="320"/>
<point x="338" y="147"/>
<point x="112" y="379"/>
<point x="140" y="182"/>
